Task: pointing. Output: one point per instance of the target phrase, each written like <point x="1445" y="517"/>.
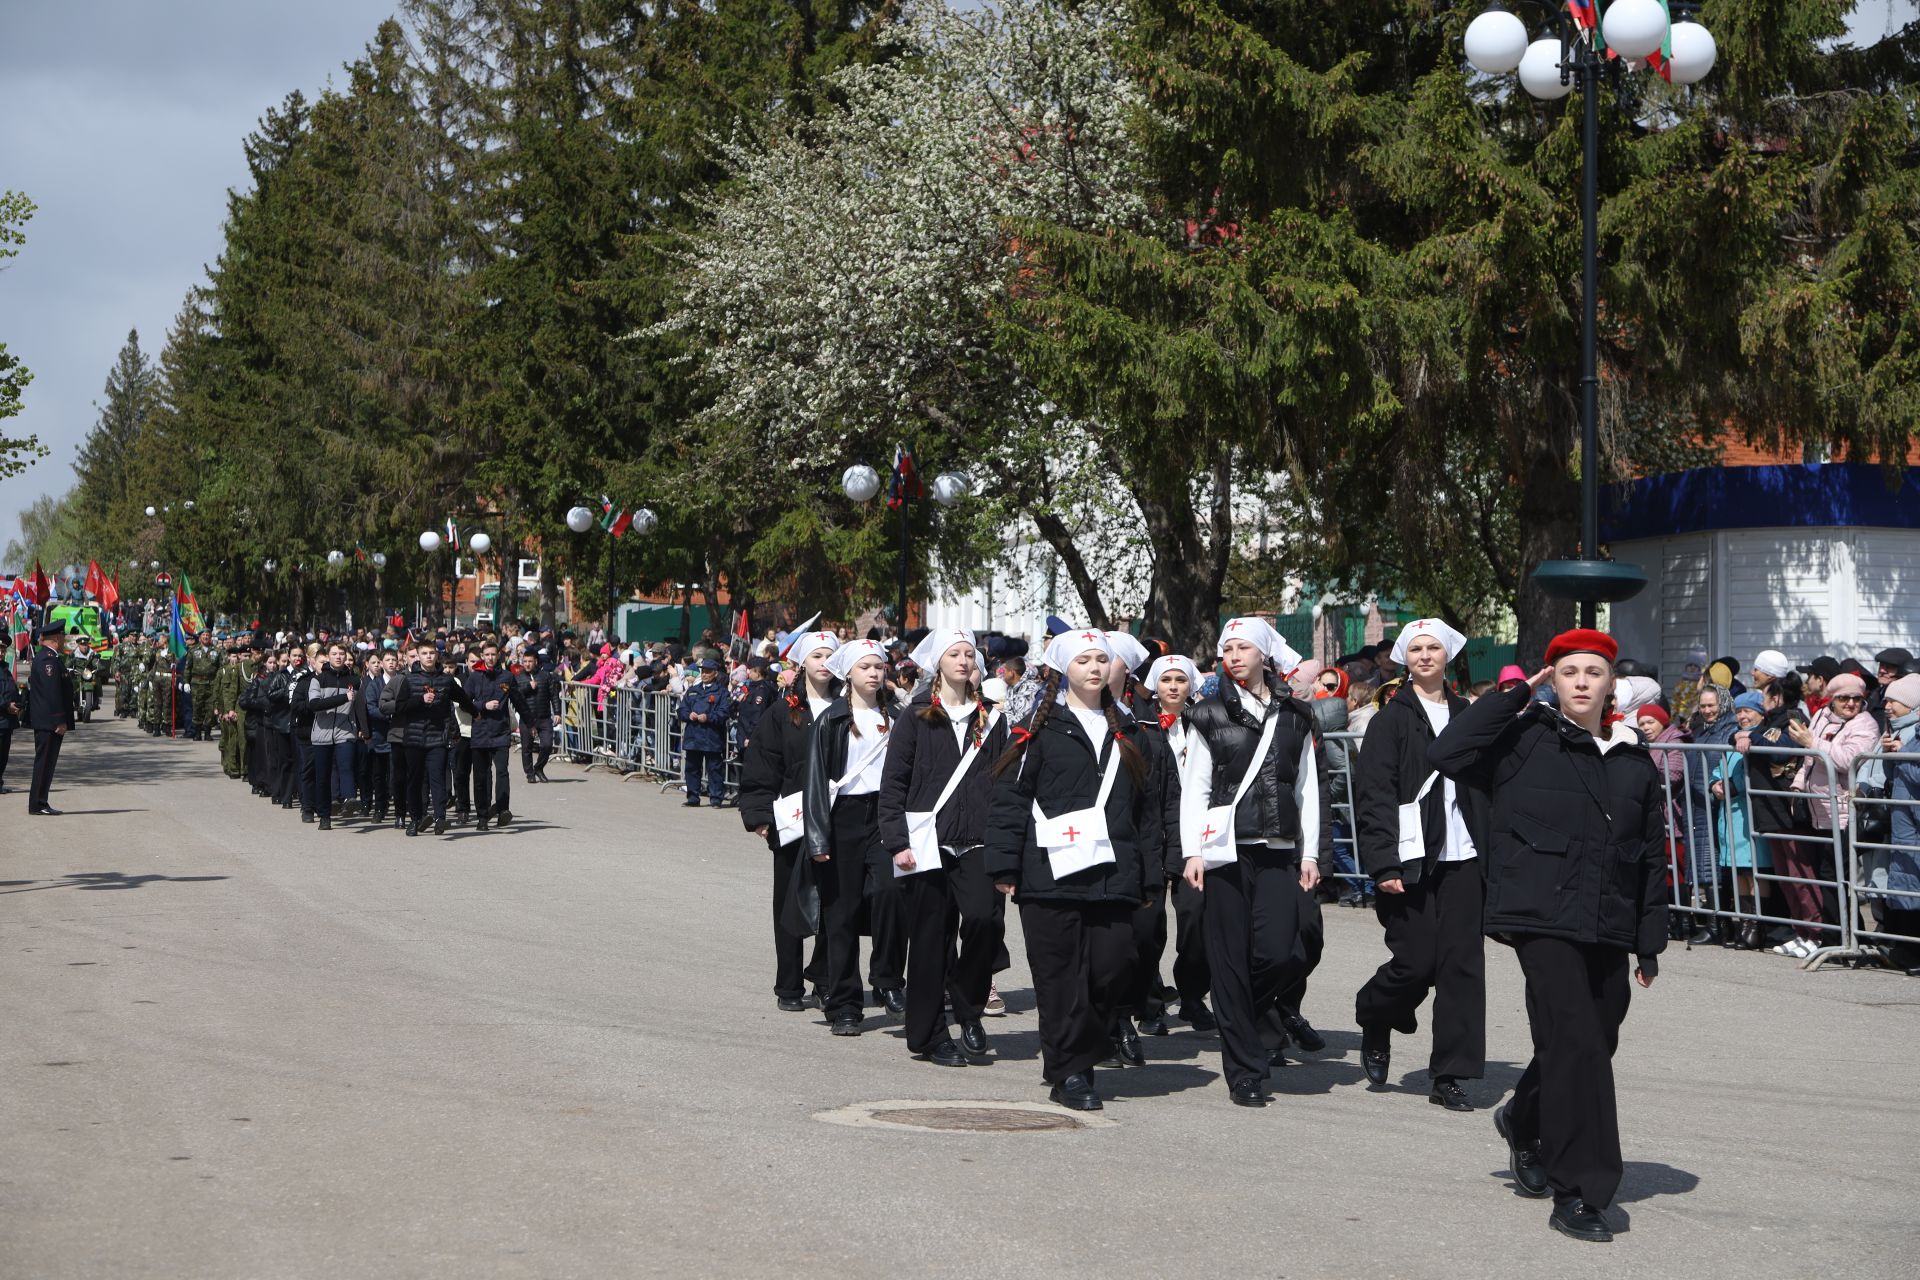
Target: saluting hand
<point x="1539" y="677"/>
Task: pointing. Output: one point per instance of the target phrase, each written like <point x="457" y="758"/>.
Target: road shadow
<point x="96" y="880"/>
<point x="1644" y="1179"/>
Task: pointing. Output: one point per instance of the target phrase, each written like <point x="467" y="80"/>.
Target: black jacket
<point x="1768" y="772"/>
<point x="827" y="759"/>
<point x="540" y="690"/>
<point x="1231" y="725"/>
<point x="424" y="724"/>
<point x="1163" y="793"/>
<point x="299" y="685"/>
<point x="756" y="696"/>
<point x="279" y="708"/>
<point x="12" y="706"/>
<point x="379" y="723"/>
<point x="1059" y="769"/>
<point x="253" y="698"/>
<point x="1571" y="842"/>
<point x="920" y="758"/>
<point x="1392" y="765"/>
<point x="492" y="728"/>
<point x="774" y="765"/>
<point x="50" y="691"/>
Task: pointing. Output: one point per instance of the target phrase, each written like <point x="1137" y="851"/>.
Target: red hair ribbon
<point x="1022" y="735"/>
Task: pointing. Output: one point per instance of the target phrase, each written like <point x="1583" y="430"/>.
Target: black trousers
<point x="6" y="749"/>
<point x="1081" y="955"/>
<point x="982" y="936"/>
<point x="842" y="880"/>
<point x="1313" y="942"/>
<point x="427" y="778"/>
<point x="280" y="775"/>
<point x="1577" y="997"/>
<point x="489" y="779"/>
<point x="930" y="926"/>
<point x="402" y="783"/>
<point x="536" y="744"/>
<point x="886" y="923"/>
<point x="1192" y="976"/>
<point x="461" y="758"/>
<point x="789" y="978"/>
<point x="377" y="788"/>
<point x="1149" y="925"/>
<point x="306" y="778"/>
<point x="256" y="755"/>
<point x="46" y="754"/>
<point x="1253" y="949"/>
<point x="1433" y="931"/>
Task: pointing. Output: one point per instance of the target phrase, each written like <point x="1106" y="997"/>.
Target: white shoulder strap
<point x="966" y="762"/>
<point x="854" y="767"/>
<point x="1259" y="755"/>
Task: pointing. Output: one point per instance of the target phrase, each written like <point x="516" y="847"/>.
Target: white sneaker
<point x="1791" y="947"/>
<point x="1806" y="948"/>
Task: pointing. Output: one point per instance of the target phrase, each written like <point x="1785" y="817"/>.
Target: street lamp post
<point x="643" y="521"/>
<point x="1576" y="56"/>
<point x="861" y="483"/>
<point x="430" y="543"/>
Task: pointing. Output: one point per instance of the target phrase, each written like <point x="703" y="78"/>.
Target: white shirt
<point x="1095" y="723"/>
<point x="867" y="780"/>
<point x="1459" y="845"/>
<point x="818" y="705"/>
<point x="962" y="717"/>
<point x="1196" y="796"/>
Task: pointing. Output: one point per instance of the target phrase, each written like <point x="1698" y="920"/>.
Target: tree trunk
<point x="506" y="605"/>
<point x="1189" y="566"/>
<point x="1549" y="528"/>
<point x="1054" y="530"/>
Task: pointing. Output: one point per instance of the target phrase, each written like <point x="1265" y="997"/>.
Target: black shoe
<point x="413" y="828"/>
<point x="1126" y="1043"/>
<point x="1582" y="1221"/>
<point x="541" y="774"/>
<point x="481" y="825"/>
<point x="326" y="824"/>
<point x="1700" y="937"/>
<point x="1523" y="1158"/>
<point x="1153" y="1026"/>
<point x="894" y="999"/>
<point x="1375" y="1055"/>
<point x="692" y="802"/>
<point x="1446" y="1092"/>
<point x="1277" y="1057"/>
<point x="503" y="817"/>
<point x="440" y="827"/>
<point x="1196" y="1016"/>
<point x="944" y="1054"/>
<point x="791" y="1004"/>
<point x="974" y="1037"/>
<point x="1076" y="1093"/>
<point x="1247" y="1093"/>
<point x="1304" y="1035"/>
<point x="846" y="1026"/>
<point x="47" y="811"/>
<point x="816" y="999"/>
<point x="306" y="817"/>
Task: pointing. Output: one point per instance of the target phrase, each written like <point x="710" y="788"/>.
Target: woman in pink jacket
<point x="1840" y="731"/>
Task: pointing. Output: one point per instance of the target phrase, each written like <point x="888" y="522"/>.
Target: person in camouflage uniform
<point x="83" y="664"/>
<point x="126" y="656"/>
<point x="203" y="671"/>
<point x="227" y="687"/>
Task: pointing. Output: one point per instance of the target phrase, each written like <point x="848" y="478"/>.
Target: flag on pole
<point x="96" y="582"/>
<point x="42" y="589"/>
<point x="176" y="637"/>
<point x="1661" y="59"/>
<point x="1586" y="13"/>
<point x="906" y="479"/>
<point x="453" y="535"/>
<point x="187" y="609"/>
<point x="613" y="519"/>
<point x="741" y="627"/>
<point x="110" y="594"/>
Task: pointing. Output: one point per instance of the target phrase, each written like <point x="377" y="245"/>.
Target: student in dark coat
<point x="1415" y="838"/>
<point x="842" y="803"/>
<point x="12" y="709"/>
<point x="421" y="704"/>
<point x="1164" y="737"/>
<point x="1574" y="848"/>
<point x="704" y="710"/>
<point x="1163" y="790"/>
<point x="773" y="768"/>
<point x="494" y="697"/>
<point x="757" y="695"/>
<point x="939" y="758"/>
<point x="1070" y="837"/>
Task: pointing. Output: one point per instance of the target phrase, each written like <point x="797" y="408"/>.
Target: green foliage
<point x="16" y="453"/>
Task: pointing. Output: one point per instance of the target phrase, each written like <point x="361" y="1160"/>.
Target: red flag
<point x="96" y="583"/>
<point x="42" y="589"/>
<point x="1583" y="13"/>
<point x="110" y="592"/>
<point x="740" y="627"/>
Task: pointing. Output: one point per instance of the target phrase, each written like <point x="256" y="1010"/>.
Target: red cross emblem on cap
<point x="1234" y="625"/>
<point x="1089" y="636"/>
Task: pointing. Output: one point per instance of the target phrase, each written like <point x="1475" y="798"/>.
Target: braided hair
<point x="1022" y="735"/>
<point x="935" y="711"/>
<point x="1130" y="756"/>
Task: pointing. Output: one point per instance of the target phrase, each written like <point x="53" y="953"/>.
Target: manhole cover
<point x="964" y="1117"/>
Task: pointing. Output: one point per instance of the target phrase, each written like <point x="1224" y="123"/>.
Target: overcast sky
<point x="122" y="119"/>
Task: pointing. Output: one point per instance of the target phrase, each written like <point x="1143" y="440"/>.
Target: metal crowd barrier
<point x="1867" y="902"/>
<point x="635" y="734"/>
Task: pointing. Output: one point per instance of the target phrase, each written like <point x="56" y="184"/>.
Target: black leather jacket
<point x="1393" y="764"/>
<point x="774" y="765"/>
<point x="826" y="761"/>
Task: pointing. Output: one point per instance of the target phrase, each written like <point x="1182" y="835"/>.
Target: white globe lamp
<point x="480" y="544"/>
<point x="644" y="521"/>
<point x="579" y="519"/>
<point x="1635" y="28"/>
<point x="860" y="482"/>
<point x="949" y="487"/>
<point x="1694" y="53"/>
<point x="1496" y="41"/>
<point x="429" y="541"/>
<point x="1540" y="71"/>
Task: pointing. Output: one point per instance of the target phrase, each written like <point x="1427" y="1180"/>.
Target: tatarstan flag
<point x="613" y="519"/>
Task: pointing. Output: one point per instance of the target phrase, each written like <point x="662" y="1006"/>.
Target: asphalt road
<point x="237" y="1047"/>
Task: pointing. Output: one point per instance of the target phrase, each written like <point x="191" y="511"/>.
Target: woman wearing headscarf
<point x="1254" y="826"/>
<point x="1713" y="724"/>
<point x="773" y="776"/>
<point x="842" y="806"/>
<point x="1416" y="841"/>
<point x="1575" y="869"/>
<point x="1170" y="683"/>
<point x="935" y="789"/>
<point x="1071" y="837"/>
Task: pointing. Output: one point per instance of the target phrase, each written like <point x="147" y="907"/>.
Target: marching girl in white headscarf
<point x="773" y="773"/>
<point x="1171" y="682"/>
<point x="935" y="789"/>
<point x="1254" y="825"/>
<point x="842" y="815"/>
<point x="1070" y="835"/>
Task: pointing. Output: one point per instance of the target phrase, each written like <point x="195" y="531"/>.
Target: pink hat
<point x="1510" y="672"/>
<point x="1846" y="684"/>
<point x="606" y="650"/>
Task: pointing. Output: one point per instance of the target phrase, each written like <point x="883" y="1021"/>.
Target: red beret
<point x="1582" y="640"/>
<point x="1657" y="712"/>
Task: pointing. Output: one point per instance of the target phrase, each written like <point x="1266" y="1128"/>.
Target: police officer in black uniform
<point x="50" y="702"/>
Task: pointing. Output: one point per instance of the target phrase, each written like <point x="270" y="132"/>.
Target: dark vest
<point x="1231" y="725"/>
